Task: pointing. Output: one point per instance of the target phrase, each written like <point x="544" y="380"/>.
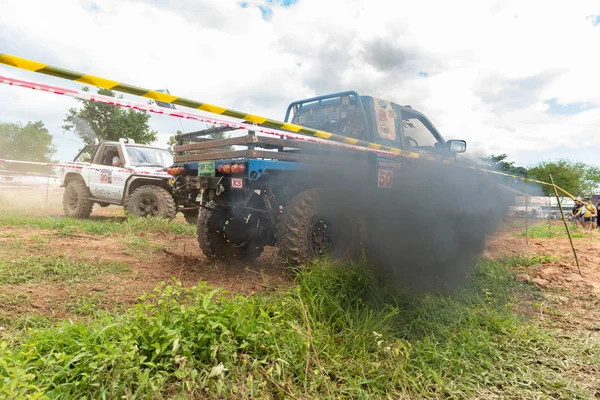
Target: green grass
<point x="543" y="231"/>
<point x="337" y="334"/>
<point x="139" y="245"/>
<point x="92" y="226"/>
<point x="54" y="269"/>
<point x="13" y="299"/>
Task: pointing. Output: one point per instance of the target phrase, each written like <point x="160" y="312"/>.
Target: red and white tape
<point x="175" y="113"/>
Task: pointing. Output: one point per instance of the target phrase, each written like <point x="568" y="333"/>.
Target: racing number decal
<point x="385" y="178"/>
<point x="106" y="176"/>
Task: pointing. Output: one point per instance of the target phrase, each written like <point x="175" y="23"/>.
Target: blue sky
<point x="556" y="108"/>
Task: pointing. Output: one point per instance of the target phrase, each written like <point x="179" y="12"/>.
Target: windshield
<point x="149" y="157"/>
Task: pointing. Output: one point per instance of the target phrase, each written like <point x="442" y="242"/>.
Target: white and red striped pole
<point x="175" y="113"/>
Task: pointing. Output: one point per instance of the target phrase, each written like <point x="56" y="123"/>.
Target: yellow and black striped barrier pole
<point x="104" y="83"/>
<point x="42" y="68"/>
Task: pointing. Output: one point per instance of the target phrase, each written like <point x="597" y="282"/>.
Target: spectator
<point x="576" y="212"/>
<point x="597" y="214"/>
<point x="588" y="212"/>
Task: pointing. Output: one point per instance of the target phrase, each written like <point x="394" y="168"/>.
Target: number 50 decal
<point x="385" y="178"/>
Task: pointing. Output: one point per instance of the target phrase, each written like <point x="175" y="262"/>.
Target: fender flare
<point x="134" y="178"/>
<point x="72" y="175"/>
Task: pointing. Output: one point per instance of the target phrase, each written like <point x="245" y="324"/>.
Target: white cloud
<point x="490" y="64"/>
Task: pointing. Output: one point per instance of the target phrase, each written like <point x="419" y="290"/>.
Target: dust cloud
<point x="84" y="130"/>
<point x="428" y="229"/>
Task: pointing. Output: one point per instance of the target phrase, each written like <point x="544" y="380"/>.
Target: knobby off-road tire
<point x="151" y="201"/>
<point x="314" y="224"/>
<point x="76" y="200"/>
<point x="213" y="240"/>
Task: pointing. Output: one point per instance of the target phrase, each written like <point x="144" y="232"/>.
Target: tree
<point x="499" y="163"/>
<point x="31" y="142"/>
<point x="576" y="178"/>
<point x="108" y="122"/>
<point x="172" y="142"/>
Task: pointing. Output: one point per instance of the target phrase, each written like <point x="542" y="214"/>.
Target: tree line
<point x="575" y="177"/>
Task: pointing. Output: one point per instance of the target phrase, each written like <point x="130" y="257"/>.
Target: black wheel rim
<point x="147" y="207"/>
<point x="234" y="231"/>
<point x="322" y="238"/>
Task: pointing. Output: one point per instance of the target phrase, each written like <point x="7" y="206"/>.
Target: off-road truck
<point x="139" y="182"/>
<point x="291" y="193"/>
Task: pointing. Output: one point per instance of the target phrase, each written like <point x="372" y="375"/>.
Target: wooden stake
<point x="566" y="226"/>
<point x="549" y="217"/>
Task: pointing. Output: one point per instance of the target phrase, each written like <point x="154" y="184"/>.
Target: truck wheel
<point x="313" y="225"/>
<point x="151" y="201"/>
<point x="222" y="235"/>
<point x="76" y="200"/>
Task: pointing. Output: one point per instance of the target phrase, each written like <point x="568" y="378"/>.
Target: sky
<point x="508" y="76"/>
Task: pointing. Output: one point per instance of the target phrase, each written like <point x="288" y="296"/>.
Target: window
<point x="107" y="155"/>
<point x="340" y="115"/>
<point x="416" y="133"/>
<point x="149" y="157"/>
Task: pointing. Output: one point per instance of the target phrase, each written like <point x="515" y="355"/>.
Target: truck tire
<point x="151" y="201"/>
<point x="214" y="241"/>
<point x="76" y="200"/>
<point x="313" y="225"/>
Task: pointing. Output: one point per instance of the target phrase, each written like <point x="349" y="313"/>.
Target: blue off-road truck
<point x="253" y="191"/>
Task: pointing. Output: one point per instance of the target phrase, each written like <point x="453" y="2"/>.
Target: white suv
<point x="139" y="181"/>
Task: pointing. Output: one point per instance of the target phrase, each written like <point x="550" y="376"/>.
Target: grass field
<point x="93" y="309"/>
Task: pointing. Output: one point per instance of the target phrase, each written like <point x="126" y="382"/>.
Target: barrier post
<point x="47" y="189"/>
<point x="526" y="219"/>
<point x="549" y="217"/>
<point x="566" y="226"/>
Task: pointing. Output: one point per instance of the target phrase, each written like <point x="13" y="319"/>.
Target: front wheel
<point x="315" y="224"/>
<point x="151" y="201"/>
<point x="76" y="200"/>
<point x="224" y="235"/>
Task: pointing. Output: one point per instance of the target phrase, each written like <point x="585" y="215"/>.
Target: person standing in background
<point x="598" y="214"/>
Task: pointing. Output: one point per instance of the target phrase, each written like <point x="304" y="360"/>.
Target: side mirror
<point x="456" y="146"/>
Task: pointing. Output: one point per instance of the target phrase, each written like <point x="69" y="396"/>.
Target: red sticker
<point x="385" y="178"/>
<point x="237" y="183"/>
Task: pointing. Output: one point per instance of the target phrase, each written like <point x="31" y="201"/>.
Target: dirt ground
<point x="570" y="301"/>
<point x="157" y="258"/>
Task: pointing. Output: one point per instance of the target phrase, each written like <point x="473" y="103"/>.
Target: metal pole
<point x="47" y="189"/>
<point x="566" y="226"/>
<point x="526" y="219"/>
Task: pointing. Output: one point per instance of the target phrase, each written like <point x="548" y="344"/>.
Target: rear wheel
<point x="76" y="200"/>
<point x="313" y="225"/>
<point x="151" y="201"/>
<point x="224" y="235"/>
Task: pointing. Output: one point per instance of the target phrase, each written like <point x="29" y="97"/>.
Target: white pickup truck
<point x="139" y="181"/>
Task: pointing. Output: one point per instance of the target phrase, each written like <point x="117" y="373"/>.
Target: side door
<point x="105" y="180"/>
<point x="386" y="130"/>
